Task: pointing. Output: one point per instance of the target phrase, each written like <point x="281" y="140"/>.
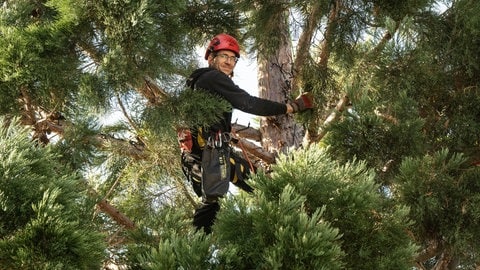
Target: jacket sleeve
<point x="217" y="82"/>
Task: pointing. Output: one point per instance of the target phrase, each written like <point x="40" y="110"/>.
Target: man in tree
<point x="222" y="55"/>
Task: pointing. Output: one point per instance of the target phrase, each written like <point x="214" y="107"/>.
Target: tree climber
<point x="211" y="167"/>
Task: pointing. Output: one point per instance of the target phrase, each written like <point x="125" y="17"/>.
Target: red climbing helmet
<point x="223" y="42"/>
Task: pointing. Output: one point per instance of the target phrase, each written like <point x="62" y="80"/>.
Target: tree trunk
<point x="275" y="77"/>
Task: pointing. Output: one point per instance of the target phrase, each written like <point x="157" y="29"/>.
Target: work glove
<point x="302" y="103"/>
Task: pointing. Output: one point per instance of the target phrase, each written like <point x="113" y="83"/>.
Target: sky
<point x="245" y="76"/>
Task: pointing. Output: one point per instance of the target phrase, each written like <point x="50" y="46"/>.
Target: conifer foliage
<point x="313" y="213"/>
<point x="443" y="193"/>
<point x="44" y="214"/>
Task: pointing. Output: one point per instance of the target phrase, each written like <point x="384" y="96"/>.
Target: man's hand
<point x="302" y="103"/>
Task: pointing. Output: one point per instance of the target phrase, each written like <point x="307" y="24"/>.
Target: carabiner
<point x="218" y="139"/>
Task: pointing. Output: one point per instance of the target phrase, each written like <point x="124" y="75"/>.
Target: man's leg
<point x="204" y="216"/>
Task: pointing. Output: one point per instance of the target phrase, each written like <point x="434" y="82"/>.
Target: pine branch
<point x="386" y="37"/>
<point x="117" y="181"/>
<point x="246" y="132"/>
<point x="42" y="122"/>
<point x="387" y="117"/>
<point x="129" y="119"/>
<point x="151" y="91"/>
<point x="116" y="215"/>
<point x="313" y="132"/>
<point x="256" y="150"/>
<point x="125" y="113"/>
<point x="104" y="206"/>
<point x="90" y="51"/>
<point x="325" y="49"/>
<point x="433" y="249"/>
<point x="333" y="116"/>
<point x="303" y="46"/>
<point x="129" y="148"/>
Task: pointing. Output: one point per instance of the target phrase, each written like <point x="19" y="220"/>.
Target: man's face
<point x="223" y="60"/>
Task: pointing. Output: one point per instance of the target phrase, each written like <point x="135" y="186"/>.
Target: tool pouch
<point x="216" y="169"/>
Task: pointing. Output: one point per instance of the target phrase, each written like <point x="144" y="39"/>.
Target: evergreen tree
<point x="396" y="121"/>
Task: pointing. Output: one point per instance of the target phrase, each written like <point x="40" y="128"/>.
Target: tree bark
<point x="275" y="77"/>
<point x="116" y="215"/>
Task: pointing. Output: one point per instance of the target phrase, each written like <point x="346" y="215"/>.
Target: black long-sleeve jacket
<point x="218" y="83"/>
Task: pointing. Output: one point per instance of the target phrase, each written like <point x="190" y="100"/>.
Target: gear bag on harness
<point x="211" y="159"/>
<point x="216" y="165"/>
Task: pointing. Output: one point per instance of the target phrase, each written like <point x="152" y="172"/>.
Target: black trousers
<point x="204" y="216"/>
